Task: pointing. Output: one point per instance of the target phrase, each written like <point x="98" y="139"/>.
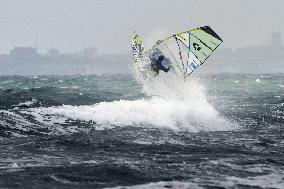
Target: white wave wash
<point x="175" y="105"/>
<point x="28" y="103"/>
<point x="263" y="181"/>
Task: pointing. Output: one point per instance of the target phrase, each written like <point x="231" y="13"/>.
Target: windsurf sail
<point x="189" y="49"/>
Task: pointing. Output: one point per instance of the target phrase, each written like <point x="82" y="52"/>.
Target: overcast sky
<point x="71" y="25"/>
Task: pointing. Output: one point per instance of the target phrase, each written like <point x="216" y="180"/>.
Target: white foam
<point x="175" y="105"/>
<point x="28" y="103"/>
<point x="264" y="181"/>
<point x="8" y="81"/>
<point x="46" y="121"/>
<point x="14" y="165"/>
<point x="162" y="185"/>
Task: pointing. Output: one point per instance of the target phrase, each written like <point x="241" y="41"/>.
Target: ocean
<point x="111" y="131"/>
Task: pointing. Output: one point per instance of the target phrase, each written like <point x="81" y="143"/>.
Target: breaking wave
<point x="172" y="104"/>
<point x="169" y="103"/>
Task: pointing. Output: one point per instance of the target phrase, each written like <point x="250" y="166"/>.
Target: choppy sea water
<point x="216" y="131"/>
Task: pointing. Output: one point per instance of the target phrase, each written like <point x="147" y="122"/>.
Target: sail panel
<point x="188" y="50"/>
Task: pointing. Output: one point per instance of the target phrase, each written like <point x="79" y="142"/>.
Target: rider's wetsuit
<point x="157" y="65"/>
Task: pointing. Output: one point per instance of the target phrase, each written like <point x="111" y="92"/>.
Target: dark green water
<point x="104" y="131"/>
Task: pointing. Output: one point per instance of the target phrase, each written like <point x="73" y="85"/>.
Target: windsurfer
<point x="157" y="65"/>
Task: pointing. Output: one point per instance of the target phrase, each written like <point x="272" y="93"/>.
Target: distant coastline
<point x="27" y="61"/>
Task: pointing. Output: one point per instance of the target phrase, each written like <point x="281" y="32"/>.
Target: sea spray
<point x="171" y="103"/>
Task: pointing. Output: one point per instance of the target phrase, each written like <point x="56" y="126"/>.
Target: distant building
<point x="52" y="52"/>
<point x="23" y="52"/>
<point x="90" y="52"/>
<point x="4" y="58"/>
<point x="276" y="40"/>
